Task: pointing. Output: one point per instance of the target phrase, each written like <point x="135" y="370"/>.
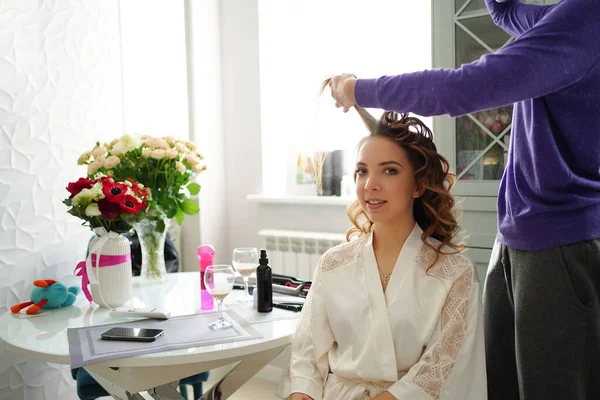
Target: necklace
<point x="385" y="277"/>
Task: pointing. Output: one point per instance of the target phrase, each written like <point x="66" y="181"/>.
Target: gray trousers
<point x="542" y="323"/>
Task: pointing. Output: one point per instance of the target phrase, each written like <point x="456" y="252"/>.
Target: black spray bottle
<point x="264" y="284"/>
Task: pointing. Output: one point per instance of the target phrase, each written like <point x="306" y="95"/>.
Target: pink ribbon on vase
<point x="107" y="261"/>
<point x="85" y="268"/>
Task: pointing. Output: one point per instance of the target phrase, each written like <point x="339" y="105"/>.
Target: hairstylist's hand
<point x="342" y="90"/>
<point x="300" y="396"/>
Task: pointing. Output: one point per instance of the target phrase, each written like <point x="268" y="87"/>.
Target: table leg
<point x="115" y="391"/>
<point x="122" y="382"/>
<point x="240" y="374"/>
<point x="166" y="392"/>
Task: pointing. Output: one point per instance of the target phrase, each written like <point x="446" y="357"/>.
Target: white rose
<point x="163" y="144"/>
<point x="126" y="143"/>
<point x="172" y="153"/>
<point x="83" y="158"/>
<point x="99" y="151"/>
<point x="191" y="145"/>
<point x="154" y="142"/>
<point x="111" y="162"/>
<point x="157" y="154"/>
<point x="146" y="152"/>
<point x="180" y="167"/>
<point x="92" y="210"/>
<point x="198" y="167"/>
<point x="192" y="159"/>
<point x="181" y="147"/>
<point x="94" y="166"/>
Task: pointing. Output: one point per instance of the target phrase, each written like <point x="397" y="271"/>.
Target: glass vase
<point x="152" y="243"/>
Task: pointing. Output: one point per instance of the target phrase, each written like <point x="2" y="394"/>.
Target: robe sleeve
<point x="454" y="360"/>
<point x="309" y="364"/>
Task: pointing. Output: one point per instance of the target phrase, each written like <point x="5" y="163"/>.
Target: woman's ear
<point x="419" y="190"/>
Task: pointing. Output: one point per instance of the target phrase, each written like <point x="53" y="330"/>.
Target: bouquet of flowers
<point x="104" y="203"/>
<point x="166" y="167"/>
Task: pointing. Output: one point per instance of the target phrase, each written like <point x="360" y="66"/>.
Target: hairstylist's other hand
<point x="342" y="90"/>
<point x="300" y="396"/>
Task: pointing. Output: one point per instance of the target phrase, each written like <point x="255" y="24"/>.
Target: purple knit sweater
<point x="550" y="190"/>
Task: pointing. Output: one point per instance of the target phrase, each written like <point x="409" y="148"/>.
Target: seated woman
<point x="394" y="313"/>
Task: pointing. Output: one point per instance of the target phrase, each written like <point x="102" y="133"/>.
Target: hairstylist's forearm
<point x="514" y="17"/>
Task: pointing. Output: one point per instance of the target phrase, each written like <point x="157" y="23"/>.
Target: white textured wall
<point x="60" y="90"/>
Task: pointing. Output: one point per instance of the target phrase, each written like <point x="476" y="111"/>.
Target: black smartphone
<point x="133" y="334"/>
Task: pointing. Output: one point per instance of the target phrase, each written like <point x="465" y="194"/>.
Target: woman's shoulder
<point x="342" y="254"/>
<point x="450" y="265"/>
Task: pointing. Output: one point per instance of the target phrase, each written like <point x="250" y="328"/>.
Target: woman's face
<point x="385" y="184"/>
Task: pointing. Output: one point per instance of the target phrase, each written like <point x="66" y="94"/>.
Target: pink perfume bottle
<point x="206" y="254"/>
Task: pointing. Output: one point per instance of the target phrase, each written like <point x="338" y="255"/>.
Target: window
<point x="153" y="56"/>
<point x="302" y="43"/>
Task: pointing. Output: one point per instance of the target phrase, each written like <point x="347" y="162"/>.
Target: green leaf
<point x="179" y="215"/>
<point x="140" y="216"/>
<point x="194" y="188"/>
<point x="190" y="207"/>
<point x="172" y="212"/>
<point x="160" y="226"/>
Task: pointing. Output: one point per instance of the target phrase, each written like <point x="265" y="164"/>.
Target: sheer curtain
<point x="304" y="42"/>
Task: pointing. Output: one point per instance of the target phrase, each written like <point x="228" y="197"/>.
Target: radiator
<point x="296" y="253"/>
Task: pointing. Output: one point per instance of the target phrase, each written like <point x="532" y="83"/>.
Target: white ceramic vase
<point x="114" y="285"/>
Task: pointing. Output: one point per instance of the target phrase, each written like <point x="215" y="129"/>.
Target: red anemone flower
<point x="108" y="209"/>
<point x="76" y="187"/>
<point x="131" y="205"/>
<point x="114" y="191"/>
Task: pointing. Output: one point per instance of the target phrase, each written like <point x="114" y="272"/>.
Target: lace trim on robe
<point x="439" y="362"/>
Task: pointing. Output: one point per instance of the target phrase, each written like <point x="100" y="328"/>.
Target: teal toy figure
<point x="48" y="294"/>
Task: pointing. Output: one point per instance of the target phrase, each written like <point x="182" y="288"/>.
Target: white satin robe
<point x="420" y="340"/>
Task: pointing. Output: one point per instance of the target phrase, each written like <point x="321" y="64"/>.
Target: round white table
<point x="44" y="338"/>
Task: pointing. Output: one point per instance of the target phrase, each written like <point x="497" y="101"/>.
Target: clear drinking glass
<point x="218" y="280"/>
<point x="245" y="261"/>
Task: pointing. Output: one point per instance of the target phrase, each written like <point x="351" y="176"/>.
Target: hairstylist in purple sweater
<point x="542" y="290"/>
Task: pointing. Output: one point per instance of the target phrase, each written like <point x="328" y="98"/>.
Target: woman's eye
<point x="360" y="171"/>
<point x="391" y="171"/>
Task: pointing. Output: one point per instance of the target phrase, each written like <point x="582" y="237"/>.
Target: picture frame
<point x="300" y="172"/>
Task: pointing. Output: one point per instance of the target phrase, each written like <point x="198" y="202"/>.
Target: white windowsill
<point x="301" y="200"/>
